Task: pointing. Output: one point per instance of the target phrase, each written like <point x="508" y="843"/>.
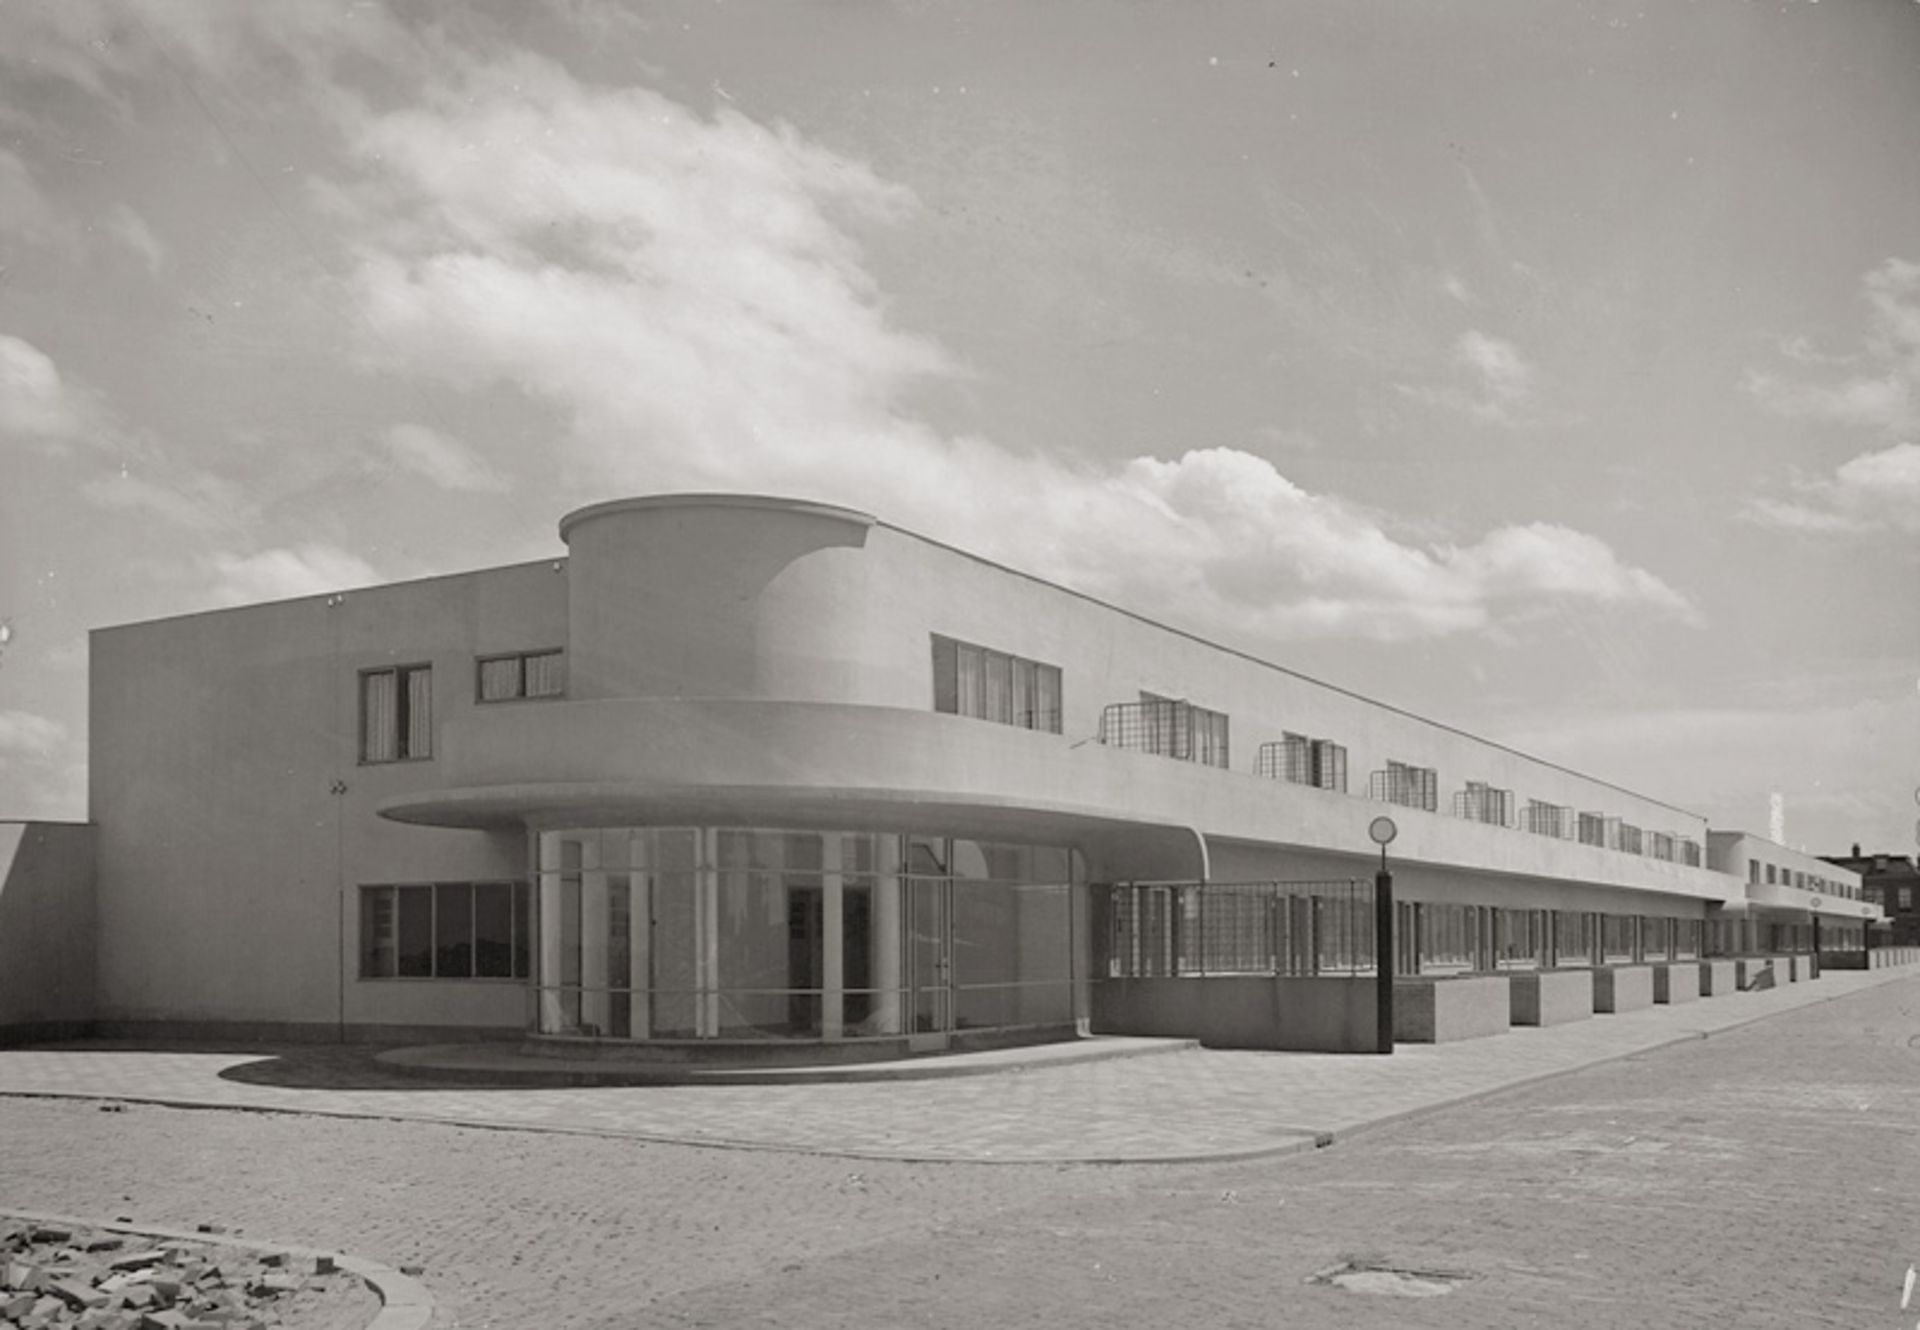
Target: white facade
<point x="742" y="767"/>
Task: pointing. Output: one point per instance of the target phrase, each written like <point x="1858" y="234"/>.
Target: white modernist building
<point x="747" y="769"/>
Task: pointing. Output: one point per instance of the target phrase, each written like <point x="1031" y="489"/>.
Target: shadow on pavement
<point x="293" y="1066"/>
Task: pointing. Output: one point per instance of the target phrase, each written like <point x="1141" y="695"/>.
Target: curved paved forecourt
<point x="1190" y="1105"/>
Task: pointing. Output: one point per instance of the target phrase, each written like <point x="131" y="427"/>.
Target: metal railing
<point x="1544" y="819"/>
<point x="1409" y="787"/>
<point x="1483" y="803"/>
<point x="1289" y="759"/>
<point x="1167" y="728"/>
<point x="1300" y="760"/>
<point x="1190" y="929"/>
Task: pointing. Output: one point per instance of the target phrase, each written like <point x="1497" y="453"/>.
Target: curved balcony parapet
<point x="824" y="763"/>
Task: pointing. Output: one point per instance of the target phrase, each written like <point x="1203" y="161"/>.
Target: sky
<point x="1551" y="370"/>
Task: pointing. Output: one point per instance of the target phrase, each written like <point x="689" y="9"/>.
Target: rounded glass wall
<point x="685" y="933"/>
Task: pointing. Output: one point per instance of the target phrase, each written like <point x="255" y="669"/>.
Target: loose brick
<point x="77" y="1293"/>
<point x="136" y="1260"/>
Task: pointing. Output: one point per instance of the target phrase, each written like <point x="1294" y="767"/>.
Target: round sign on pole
<point x="1382" y="831"/>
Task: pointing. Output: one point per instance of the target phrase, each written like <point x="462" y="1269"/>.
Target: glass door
<point x="928" y="920"/>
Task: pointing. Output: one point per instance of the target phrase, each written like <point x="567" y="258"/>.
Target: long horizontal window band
<point x="446" y="930"/>
<point x="521" y="674"/>
<point x="1166" y="929"/>
<point x="977" y="681"/>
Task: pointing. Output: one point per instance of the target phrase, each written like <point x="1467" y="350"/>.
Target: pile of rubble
<point x="54" y="1277"/>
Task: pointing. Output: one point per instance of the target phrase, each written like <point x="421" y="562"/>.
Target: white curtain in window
<point x="999" y="688"/>
<point x="546" y="676"/>
<point x="420" y="713"/>
<point x="973" y="684"/>
<point x="499" y="679"/>
<point x="379" y="716"/>
<point x="1046" y="699"/>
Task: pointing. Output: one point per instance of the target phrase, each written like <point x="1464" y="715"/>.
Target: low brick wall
<point x="1719" y="978"/>
<point x="1618" y="988"/>
<point x="1676" y="981"/>
<point x="1243" y="1011"/>
<point x="1550" y="997"/>
<point x="1440" y="1010"/>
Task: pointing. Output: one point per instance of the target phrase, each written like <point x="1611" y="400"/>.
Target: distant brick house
<point x="1893" y="882"/>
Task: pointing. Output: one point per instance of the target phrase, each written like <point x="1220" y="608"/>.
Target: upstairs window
<point x="992" y="685"/>
<point x="1320" y="763"/>
<point x="1593" y="829"/>
<point x="1408" y="786"/>
<point x="1178" y="728"/>
<point x="523" y="674"/>
<point x="396" y="714"/>
<point x="1481" y="802"/>
<point x="1545" y="819"/>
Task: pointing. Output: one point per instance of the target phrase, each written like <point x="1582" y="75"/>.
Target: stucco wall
<point x="1299" y="1015"/>
<point x="876" y="767"/>
<point x="236" y="821"/>
<point x="765" y="664"/>
<point x="46" y="929"/>
<point x="1828" y="889"/>
<point x="796" y="603"/>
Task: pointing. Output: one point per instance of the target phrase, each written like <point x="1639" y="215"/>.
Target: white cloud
<point x="131" y="229"/>
<point x="43" y="775"/>
<point x="1504" y="376"/>
<point x="1886" y="396"/>
<point x="1873" y="492"/>
<point x="196" y="500"/>
<point x="690" y="296"/>
<point x="1500" y="391"/>
<point x="1848" y="780"/>
<point x="1788" y="515"/>
<point x="286" y="572"/>
<point x="26" y="735"/>
<point x="34" y="403"/>
<point x="446" y="462"/>
<point x="1891" y="477"/>
<point x="24" y="210"/>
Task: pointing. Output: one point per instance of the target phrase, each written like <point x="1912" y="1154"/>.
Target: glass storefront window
<point x="744" y="933"/>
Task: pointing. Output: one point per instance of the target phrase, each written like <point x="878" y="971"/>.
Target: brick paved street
<point x="1767" y="1176"/>
<point x="1189" y="1105"/>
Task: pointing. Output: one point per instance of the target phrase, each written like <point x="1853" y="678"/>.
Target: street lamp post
<point x="1382" y="831"/>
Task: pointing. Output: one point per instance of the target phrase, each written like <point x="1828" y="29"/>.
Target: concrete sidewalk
<point x="1185" y="1106"/>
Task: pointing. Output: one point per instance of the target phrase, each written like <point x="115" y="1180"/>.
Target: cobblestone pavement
<point x="1768" y="1176"/>
<point x="1189" y="1105"/>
